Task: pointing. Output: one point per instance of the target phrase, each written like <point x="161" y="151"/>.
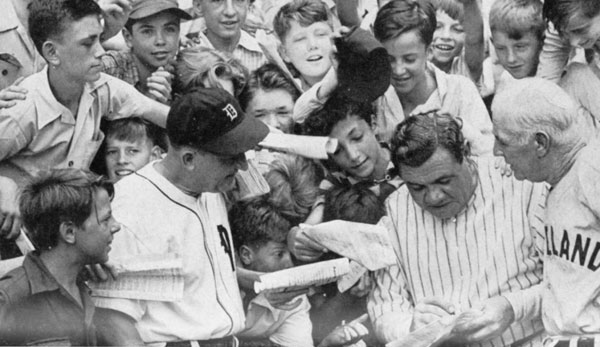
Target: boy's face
<point x="408" y="56"/>
<point x="273" y="107"/>
<point x="95" y="235"/>
<point x="448" y="39"/>
<point x="308" y="49"/>
<point x="583" y="31"/>
<point x="78" y="50"/>
<point x="154" y="40"/>
<point x="518" y="57"/>
<point x="124" y="158"/>
<point x="224" y="18"/>
<point x="270" y="257"/>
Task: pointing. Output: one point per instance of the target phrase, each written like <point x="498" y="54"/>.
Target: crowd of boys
<point x="469" y="139"/>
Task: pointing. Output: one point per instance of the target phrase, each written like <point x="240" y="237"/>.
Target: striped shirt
<point x="247" y="51"/>
<point x="491" y="248"/>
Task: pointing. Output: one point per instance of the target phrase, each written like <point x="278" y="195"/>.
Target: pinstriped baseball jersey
<point x="490" y="248"/>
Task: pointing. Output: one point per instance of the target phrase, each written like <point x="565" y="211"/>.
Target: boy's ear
<point x="127" y="37"/>
<point x="246" y="255"/>
<point x="66" y="232"/>
<point x="50" y="52"/>
<point x="156" y="153"/>
<point x="198" y="8"/>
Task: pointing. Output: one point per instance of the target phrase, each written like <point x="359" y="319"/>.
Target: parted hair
<point x="559" y="12"/>
<point x="305" y="12"/>
<point x="58" y="196"/>
<point x="517" y="17"/>
<point x="322" y="121"/>
<point x="353" y="203"/>
<point x="267" y="77"/>
<point x="133" y="129"/>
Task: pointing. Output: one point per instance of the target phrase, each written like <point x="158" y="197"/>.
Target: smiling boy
<point x="152" y="35"/>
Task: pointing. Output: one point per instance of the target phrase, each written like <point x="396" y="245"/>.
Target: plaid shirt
<point x="120" y="64"/>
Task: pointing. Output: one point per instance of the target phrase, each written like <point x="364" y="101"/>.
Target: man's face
<point x="270" y="257"/>
<point x="215" y="173"/>
<point x="358" y="151"/>
<point x="441" y="186"/>
<point x="518" y="57"/>
<point x="154" y="40"/>
<point x="124" y="157"/>
<point x="224" y="18"/>
<point x="79" y="49"/>
<point x="448" y="39"/>
<point x="273" y="107"/>
<point x="408" y="57"/>
<point x="95" y="235"/>
<point x="308" y="49"/>
<point x="521" y="157"/>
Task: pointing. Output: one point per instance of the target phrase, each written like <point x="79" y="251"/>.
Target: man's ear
<point x="156" y="153"/>
<point x="66" y="231"/>
<point x="187" y="159"/>
<point x="246" y="255"/>
<point x="50" y="53"/>
<point x="127" y="37"/>
<point x="542" y="143"/>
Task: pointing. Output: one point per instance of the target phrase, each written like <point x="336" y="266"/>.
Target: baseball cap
<point x="364" y="70"/>
<point x="146" y="8"/>
<point x="211" y="119"/>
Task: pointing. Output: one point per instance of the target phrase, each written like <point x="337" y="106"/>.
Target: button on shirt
<point x="40" y="133"/>
<point x="36" y="310"/>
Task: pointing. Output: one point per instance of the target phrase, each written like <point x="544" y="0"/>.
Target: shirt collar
<point x="441" y="79"/>
<point x="39" y="277"/>
<point x="47" y="102"/>
<point x="246" y="41"/>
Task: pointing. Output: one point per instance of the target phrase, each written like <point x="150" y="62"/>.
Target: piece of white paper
<point x="348" y="280"/>
<point x="366" y="244"/>
<point x="315" y="274"/>
<point x="314" y="147"/>
<point x="430" y="335"/>
<point x="156" y="277"/>
<point x="10" y="264"/>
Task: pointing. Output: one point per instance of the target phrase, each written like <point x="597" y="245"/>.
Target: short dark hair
<point x="400" y="16"/>
<point x="305" y="12"/>
<point x="559" y="12"/>
<point x="294" y="183"/>
<point x="135" y="128"/>
<point x="58" y="196"/>
<point x="255" y="222"/>
<point x="48" y="18"/>
<point x="267" y="77"/>
<point x="418" y="137"/>
<point x="353" y="203"/>
<point x="335" y="110"/>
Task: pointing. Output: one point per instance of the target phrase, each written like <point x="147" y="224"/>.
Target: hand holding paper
<point x="496" y="316"/>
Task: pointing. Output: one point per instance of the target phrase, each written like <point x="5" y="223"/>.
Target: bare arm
<point x="474" y="41"/>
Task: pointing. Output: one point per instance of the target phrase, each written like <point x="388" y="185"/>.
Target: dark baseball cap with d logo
<point x="211" y="119"/>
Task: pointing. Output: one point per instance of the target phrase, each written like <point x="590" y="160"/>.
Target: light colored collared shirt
<point x="247" y="51"/>
<point x="15" y="40"/>
<point x="158" y="218"/>
<point x="490" y="248"/>
<point x="40" y="133"/>
<point x="288" y="328"/>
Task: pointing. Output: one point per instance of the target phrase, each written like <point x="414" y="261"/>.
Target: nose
<point x="444" y="32"/>
<point x="271" y="120"/>
<point x="229" y="8"/>
<point x="497" y="151"/>
<point x="160" y="38"/>
<point x="398" y="69"/>
<point x="115" y="227"/>
<point x="511" y="56"/>
<point x="286" y="261"/>
<point x="241" y="163"/>
<point x="353" y="153"/>
<point x="312" y="41"/>
<point x="121" y="157"/>
<point x="434" y="196"/>
<point x="99" y="50"/>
